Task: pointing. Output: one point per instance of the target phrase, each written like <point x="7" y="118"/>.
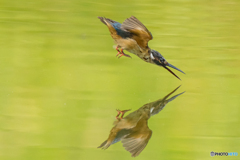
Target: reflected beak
<point x="168" y="64"/>
<point x="172" y="98"/>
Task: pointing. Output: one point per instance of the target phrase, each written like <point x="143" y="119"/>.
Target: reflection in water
<point x="133" y="129"/>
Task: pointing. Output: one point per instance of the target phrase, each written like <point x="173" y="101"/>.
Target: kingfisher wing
<point x="135" y="143"/>
<point x="139" y="32"/>
<point x="115" y="28"/>
<point x="107" y="20"/>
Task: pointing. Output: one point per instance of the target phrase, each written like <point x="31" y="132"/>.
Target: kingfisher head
<point x="159" y="60"/>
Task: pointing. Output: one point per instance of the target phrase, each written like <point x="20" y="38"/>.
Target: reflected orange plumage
<point x="133" y="129"/>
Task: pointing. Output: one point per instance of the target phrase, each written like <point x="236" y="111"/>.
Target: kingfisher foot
<point x="118" y="113"/>
<point x="118" y="53"/>
<point x="121" y="53"/>
<point x="121" y="112"/>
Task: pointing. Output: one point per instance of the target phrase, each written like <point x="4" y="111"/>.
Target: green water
<point x="61" y="82"/>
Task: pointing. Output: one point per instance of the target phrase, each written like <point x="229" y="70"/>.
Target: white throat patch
<point x="151" y="56"/>
<point x="151" y="110"/>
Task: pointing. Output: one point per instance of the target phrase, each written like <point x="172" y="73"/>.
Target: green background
<point x="60" y="82"/>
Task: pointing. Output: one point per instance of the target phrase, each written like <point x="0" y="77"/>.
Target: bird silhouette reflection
<point x="133" y="129"/>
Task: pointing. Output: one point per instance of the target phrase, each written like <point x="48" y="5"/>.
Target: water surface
<point x="61" y="82"/>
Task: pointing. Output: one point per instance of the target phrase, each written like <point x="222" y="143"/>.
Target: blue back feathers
<point x="120" y="32"/>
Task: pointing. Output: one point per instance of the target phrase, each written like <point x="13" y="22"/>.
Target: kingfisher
<point x="133" y="36"/>
<point x="133" y="130"/>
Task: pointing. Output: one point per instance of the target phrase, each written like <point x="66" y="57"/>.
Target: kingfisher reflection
<point x="133" y="129"/>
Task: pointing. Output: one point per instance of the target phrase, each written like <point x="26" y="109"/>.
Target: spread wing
<point x="140" y="33"/>
<point x="137" y="141"/>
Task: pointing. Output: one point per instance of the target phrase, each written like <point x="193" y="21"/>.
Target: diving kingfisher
<point x="133" y="36"/>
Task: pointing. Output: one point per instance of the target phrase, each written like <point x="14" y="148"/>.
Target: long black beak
<point x="168" y="64"/>
<point x="172" y="98"/>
